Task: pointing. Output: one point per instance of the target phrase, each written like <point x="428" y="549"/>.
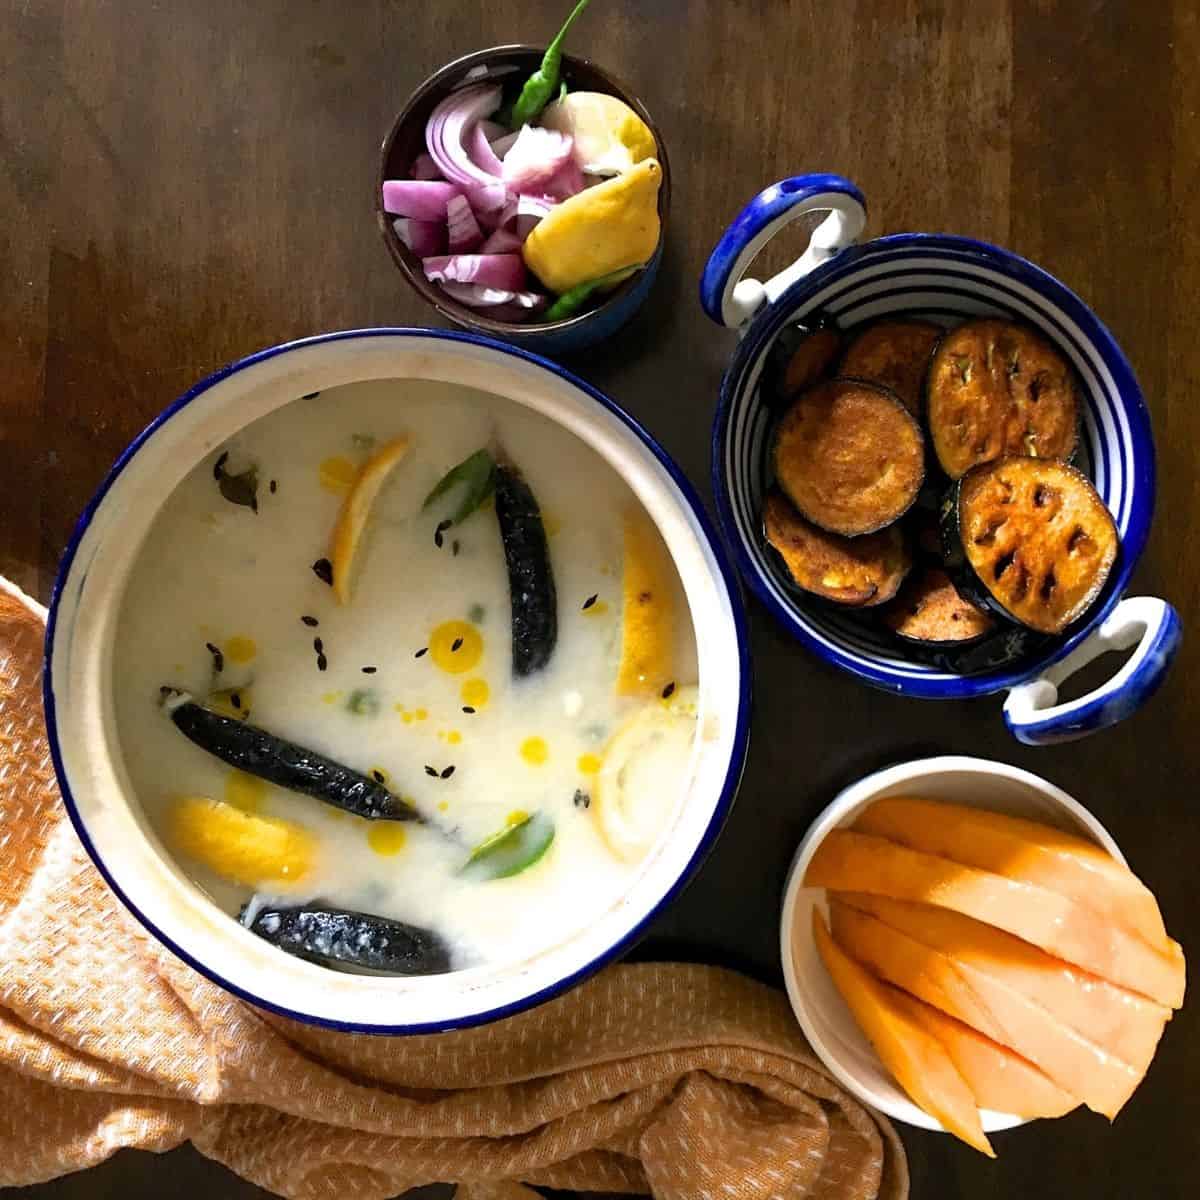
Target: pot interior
<point x="81" y="680"/>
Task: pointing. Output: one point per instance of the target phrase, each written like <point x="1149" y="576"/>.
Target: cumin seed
<point x="590" y="601"/>
<point x="377" y="776"/>
<point x="669" y="690"/>
<point x="310" y="396"/>
<point x="311" y="622"/>
<point x="448" y="772"/>
<point x="322" y="662"/>
<point x="318" y="645"/>
<point x="323" y="570"/>
<point x="369" y="670"/>
<point x="217" y="657"/>
<point x="468" y="709"/>
<point x="274" y="486"/>
<point x="431" y="771"/>
<point x="422" y="652"/>
<point x="456" y="645"/>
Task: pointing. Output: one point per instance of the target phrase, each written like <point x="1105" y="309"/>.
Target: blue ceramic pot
<point x="945" y="279"/>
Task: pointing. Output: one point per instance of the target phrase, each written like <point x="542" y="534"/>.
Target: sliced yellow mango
<point x="648" y="611"/>
<point x="999" y="1079"/>
<point x="598" y="231"/>
<point x="239" y="845"/>
<point x="1023" y="850"/>
<point x="847" y="861"/>
<point x="356" y="508"/>
<point x="917" y="1060"/>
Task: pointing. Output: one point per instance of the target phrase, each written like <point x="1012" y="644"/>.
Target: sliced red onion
<point x="530" y="210"/>
<point x="423" y="238"/>
<point x="501" y="241"/>
<point x="448" y="125"/>
<point x="566" y="181"/>
<point x="488" y="202"/>
<point x="463" y="232"/>
<point x="503" y="271"/>
<point x="493" y="130"/>
<point x="424" y="199"/>
<point x="480" y="296"/>
<point x="425" y="168"/>
<point x="502" y="145"/>
<point x="481" y="152"/>
<point x="535" y="156"/>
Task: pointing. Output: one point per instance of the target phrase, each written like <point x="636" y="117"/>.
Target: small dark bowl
<point x="406" y="139"/>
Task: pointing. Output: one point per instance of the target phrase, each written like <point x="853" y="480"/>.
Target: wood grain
<point x="183" y="183"/>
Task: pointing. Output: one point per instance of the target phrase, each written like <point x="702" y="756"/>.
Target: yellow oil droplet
<point x="535" y="751"/>
<point x="589" y="764"/>
<point x="453" y="737"/>
<point x="443" y="805"/>
<point x="407" y="718"/>
<point x="596" y="610"/>
<point x="455" y="646"/>
<point x="516" y="817"/>
<point x="240" y="649"/>
<point x="337" y="474"/>
<point x="331" y="697"/>
<point x="421" y="714"/>
<point x="551" y="524"/>
<point x="246" y="792"/>
<point x="386" y="838"/>
<point x="177" y="668"/>
<point x="475" y="693"/>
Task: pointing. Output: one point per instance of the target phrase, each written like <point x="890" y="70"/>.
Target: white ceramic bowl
<point x="79" y="679"/>
<point x="821" y="1011"/>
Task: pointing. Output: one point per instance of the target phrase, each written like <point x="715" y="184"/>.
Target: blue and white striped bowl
<point x="945" y="279"/>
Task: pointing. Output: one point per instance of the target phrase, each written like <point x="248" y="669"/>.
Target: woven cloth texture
<point x="687" y="1082"/>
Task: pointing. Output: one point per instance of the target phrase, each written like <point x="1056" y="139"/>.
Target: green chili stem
<point x="539" y="87"/>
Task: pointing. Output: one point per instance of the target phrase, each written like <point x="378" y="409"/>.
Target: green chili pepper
<point x="540" y="86"/>
<point x="571" y="301"/>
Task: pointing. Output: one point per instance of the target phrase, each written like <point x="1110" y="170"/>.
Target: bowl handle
<point x="731" y="300"/>
<point x="1150" y="624"/>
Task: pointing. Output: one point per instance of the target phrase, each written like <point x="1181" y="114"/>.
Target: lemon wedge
<point x="598" y="231"/>
<point x="241" y="845"/>
<point x="609" y="136"/>
<point x="648" y="611"/>
<point x="643" y="774"/>
<point x="356" y="508"/>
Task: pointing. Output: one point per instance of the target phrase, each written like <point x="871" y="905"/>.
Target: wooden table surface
<point x="185" y="182"/>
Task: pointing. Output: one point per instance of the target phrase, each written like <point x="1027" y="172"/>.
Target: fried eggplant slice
<point x="1030" y="539"/>
<point x="849" y="456"/>
<point x="996" y="388"/>
<point x="896" y="354"/>
<point x="802" y="356"/>
<point x="857" y="572"/>
<point x="930" y="610"/>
